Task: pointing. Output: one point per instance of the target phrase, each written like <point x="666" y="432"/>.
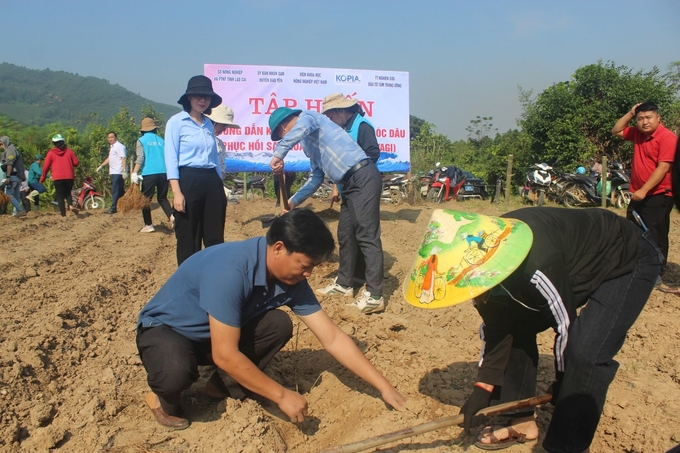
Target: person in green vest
<point x="34" y="174"/>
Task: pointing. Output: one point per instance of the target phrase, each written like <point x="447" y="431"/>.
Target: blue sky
<point x="465" y="58"/>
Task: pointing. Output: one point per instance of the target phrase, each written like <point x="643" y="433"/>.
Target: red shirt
<point x="61" y="161"/>
<point x="649" y="151"/>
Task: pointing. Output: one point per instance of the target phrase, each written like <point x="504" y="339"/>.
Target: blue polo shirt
<point x="228" y="282"/>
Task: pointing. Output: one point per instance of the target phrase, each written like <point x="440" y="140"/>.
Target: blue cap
<point x="277" y="116"/>
<point x="37" y="156"/>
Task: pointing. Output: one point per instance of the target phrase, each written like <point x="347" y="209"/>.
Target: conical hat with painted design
<point x="462" y="255"/>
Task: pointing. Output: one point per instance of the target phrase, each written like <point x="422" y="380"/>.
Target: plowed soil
<point x="71" y="379"/>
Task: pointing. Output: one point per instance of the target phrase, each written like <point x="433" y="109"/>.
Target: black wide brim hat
<point x="200" y="84"/>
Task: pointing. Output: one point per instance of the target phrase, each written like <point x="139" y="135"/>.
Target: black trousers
<point x="202" y="222"/>
<point x="171" y="360"/>
<point x="655" y="211"/>
<point x="63" y="189"/>
<point x="157" y="183"/>
<point x="359" y="229"/>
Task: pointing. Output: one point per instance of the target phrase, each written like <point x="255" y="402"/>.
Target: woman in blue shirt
<point x="193" y="170"/>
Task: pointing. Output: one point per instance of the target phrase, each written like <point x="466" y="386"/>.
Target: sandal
<point x="513" y="438"/>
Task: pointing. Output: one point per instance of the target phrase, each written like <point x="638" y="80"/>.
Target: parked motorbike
<point x="427" y="179"/>
<point x="582" y="190"/>
<point x="446" y="184"/>
<point x="86" y="197"/>
<point x="234" y="185"/>
<point x="538" y="184"/>
<point x="394" y="188"/>
<point x="325" y="190"/>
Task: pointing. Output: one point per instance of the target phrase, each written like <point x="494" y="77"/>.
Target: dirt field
<point x="71" y="379"/>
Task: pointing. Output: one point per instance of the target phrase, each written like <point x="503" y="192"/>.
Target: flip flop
<point x="514" y="438"/>
<point x="675" y="291"/>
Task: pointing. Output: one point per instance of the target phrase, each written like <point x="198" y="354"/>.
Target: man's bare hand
<point x="639" y="195"/>
<point x="394" y="399"/>
<point x="178" y="201"/>
<point x="632" y="111"/>
<point x="294" y="406"/>
<point x="276" y="165"/>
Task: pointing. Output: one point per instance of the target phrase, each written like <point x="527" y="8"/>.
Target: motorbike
<point x="86" y="197"/>
<point x="582" y="190"/>
<point x="538" y="184"/>
<point x="426" y="180"/>
<point x="234" y="186"/>
<point x="325" y="190"/>
<point x="394" y="188"/>
<point x="446" y="184"/>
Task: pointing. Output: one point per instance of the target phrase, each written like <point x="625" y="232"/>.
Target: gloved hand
<point x="554" y="388"/>
<point x="136" y="179"/>
<point x="125" y="175"/>
<point x="99" y="169"/>
<point x="479" y="399"/>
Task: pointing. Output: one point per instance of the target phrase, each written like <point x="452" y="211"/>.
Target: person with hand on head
<point x="150" y="162"/>
<point x="194" y="172"/>
<point x="117" y="169"/>
<point x="221" y="307"/>
<point x="348" y="114"/>
<point x="13" y="167"/>
<point x="650" y="173"/>
<point x="332" y="152"/>
<point x="587" y="275"/>
<point x="61" y="161"/>
<point x="34" y="174"/>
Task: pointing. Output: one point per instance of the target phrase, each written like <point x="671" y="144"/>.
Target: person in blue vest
<point x="348" y="114"/>
<point x="151" y="162"/>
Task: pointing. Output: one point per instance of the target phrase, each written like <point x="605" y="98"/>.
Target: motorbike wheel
<point x="433" y="195"/>
<point x="395" y="196"/>
<point x="623" y="199"/>
<point x="541" y="198"/>
<point x="94" y="203"/>
<point x="570" y="197"/>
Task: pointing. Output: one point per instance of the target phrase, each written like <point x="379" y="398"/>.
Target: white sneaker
<point x="366" y="304"/>
<point x="147" y="229"/>
<point x="172" y="221"/>
<point x="334" y="289"/>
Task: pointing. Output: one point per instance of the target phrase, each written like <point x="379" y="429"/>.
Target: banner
<point x="254" y="92"/>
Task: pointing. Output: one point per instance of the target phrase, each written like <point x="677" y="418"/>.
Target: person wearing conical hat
<point x="586" y="274"/>
<point x="151" y="163"/>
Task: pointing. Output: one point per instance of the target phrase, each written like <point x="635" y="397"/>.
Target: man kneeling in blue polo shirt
<point x="220" y="307"/>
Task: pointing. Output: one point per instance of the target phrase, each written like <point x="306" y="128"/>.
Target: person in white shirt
<point x="116" y="163"/>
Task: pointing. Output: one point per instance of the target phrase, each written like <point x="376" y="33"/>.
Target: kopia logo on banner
<point x="347" y="79"/>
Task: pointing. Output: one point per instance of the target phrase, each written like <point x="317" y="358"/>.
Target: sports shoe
<point x="147" y="229"/>
<point x="334" y="289"/>
<point x="172" y="221"/>
<point x="367" y="304"/>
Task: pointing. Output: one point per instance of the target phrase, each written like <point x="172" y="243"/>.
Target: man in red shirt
<point x="650" y="179"/>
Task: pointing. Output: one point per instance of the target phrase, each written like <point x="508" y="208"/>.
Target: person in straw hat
<point x="332" y="152"/>
<point x="586" y="274"/>
<point x="194" y="172"/>
<point x="348" y="114"/>
<point x="151" y="162"/>
<point x="222" y="118"/>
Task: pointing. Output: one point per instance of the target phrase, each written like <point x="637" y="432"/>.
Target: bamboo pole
<point x="508" y="178"/>
<point x="434" y="425"/>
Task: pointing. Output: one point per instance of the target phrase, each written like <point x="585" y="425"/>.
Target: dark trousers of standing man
<point x="171" y="360"/>
<point x="655" y="211"/>
<point x="359" y="228"/>
<point x="117" y="190"/>
<point x="156" y="183"/>
<point x="205" y="208"/>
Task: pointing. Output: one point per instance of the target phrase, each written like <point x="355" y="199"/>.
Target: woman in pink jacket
<point x="62" y="161"/>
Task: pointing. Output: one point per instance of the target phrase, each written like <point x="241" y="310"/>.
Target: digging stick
<point x="284" y="192"/>
<point x="434" y="425"/>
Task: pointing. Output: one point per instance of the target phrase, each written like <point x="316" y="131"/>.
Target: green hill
<point x="39" y="97"/>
